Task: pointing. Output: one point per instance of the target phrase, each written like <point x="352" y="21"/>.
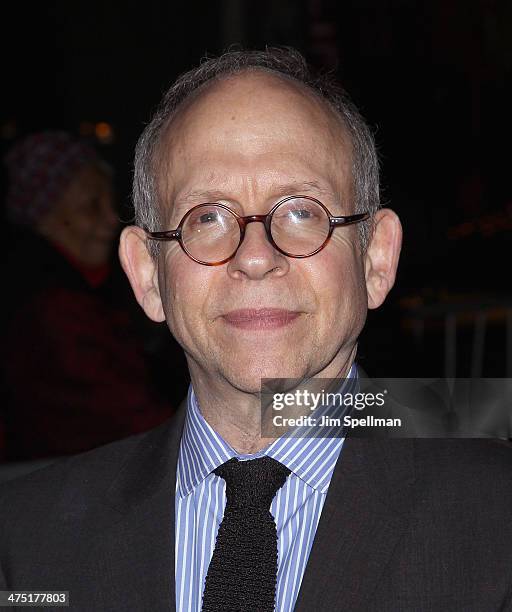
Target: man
<point x="205" y="513"/>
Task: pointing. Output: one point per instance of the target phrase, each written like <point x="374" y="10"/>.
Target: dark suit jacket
<point x="408" y="525"/>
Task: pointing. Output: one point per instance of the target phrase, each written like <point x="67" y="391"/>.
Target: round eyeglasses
<point x="297" y="226"/>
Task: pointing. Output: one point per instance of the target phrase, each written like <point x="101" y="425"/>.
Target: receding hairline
<point x="161" y="147"/>
<point x="262" y="72"/>
<point x="291" y="68"/>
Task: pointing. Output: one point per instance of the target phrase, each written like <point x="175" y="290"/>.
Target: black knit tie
<point x="243" y="570"/>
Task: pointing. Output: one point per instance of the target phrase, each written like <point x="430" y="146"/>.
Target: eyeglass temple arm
<point x="169" y="235"/>
<point x="334" y="221"/>
<point x="348" y="220"/>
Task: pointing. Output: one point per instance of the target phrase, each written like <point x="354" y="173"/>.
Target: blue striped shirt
<point x="201" y="499"/>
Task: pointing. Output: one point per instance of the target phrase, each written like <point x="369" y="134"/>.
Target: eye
<point x="208" y="217"/>
<point x="301" y="214"/>
<point x="205" y="219"/>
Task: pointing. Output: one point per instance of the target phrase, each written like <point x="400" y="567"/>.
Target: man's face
<point x="248" y="142"/>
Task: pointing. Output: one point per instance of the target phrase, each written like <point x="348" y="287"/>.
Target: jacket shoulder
<point x="74" y="482"/>
<point x="473" y="469"/>
<point x="476" y="452"/>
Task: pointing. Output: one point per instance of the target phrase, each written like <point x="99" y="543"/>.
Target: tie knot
<point x="252" y="483"/>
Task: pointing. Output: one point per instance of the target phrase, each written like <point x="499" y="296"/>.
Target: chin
<point x="248" y="379"/>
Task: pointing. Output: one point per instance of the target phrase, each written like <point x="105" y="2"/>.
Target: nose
<point x="256" y="258"/>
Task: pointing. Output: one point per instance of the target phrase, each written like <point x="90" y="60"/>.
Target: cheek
<point x="80" y="221"/>
<point x="339" y="285"/>
<point x="184" y="289"/>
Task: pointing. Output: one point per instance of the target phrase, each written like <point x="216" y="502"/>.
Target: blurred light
<point x="104" y="132"/>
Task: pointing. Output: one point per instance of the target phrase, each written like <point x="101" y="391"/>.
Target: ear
<point x="141" y="270"/>
<point x="382" y="256"/>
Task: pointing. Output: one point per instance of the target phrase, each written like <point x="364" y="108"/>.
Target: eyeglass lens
<point x="211" y="233"/>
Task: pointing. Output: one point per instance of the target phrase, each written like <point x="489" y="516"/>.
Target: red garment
<point x="77" y="378"/>
<point x="95" y="276"/>
<point x="75" y="370"/>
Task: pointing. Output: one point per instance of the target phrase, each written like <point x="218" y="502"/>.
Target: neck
<point x="236" y="415"/>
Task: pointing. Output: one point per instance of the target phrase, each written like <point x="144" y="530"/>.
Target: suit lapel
<point x="364" y="514"/>
<point x="132" y="560"/>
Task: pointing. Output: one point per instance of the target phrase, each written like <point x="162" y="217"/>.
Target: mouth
<point x="261" y="318"/>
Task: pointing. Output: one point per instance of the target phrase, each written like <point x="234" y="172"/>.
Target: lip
<point x="260" y="318"/>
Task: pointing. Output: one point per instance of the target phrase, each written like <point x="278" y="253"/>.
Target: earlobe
<point x="382" y="256"/>
<point x="141" y="270"/>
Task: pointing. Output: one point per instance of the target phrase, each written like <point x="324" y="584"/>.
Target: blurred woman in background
<point x="75" y="371"/>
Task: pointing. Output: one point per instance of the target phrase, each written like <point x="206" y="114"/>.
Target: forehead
<point x="253" y="131"/>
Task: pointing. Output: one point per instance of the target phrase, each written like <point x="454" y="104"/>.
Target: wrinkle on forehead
<point x="238" y="108"/>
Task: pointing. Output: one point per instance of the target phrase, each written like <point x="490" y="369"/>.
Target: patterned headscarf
<point x="40" y="167"/>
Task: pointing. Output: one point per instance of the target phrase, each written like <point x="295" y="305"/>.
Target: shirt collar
<point x="202" y="450"/>
<point x="313" y="459"/>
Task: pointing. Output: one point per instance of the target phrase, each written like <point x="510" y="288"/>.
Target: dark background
<point x="432" y="78"/>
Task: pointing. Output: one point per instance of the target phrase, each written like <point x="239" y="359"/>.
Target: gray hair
<point x="286" y="63"/>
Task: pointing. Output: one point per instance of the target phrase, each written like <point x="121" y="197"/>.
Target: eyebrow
<point x="208" y="195"/>
<point x="212" y="195"/>
<point x="303" y="187"/>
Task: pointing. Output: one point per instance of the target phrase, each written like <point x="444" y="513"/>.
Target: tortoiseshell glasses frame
<point x="243" y="221"/>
